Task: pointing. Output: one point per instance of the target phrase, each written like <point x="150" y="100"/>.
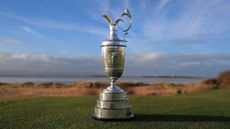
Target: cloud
<point x="161" y="6"/>
<point x="33" y="65"/>
<point x="182" y="19"/>
<point x="143" y="58"/>
<point x="30" y="31"/>
<point x="11" y="41"/>
<point x="202" y="64"/>
<point x="55" y="24"/>
<point x="209" y="64"/>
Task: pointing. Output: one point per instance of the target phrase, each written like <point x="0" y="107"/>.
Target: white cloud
<point x="54" y="24"/>
<point x="203" y="64"/>
<point x="189" y="63"/>
<point x="30" y="31"/>
<point x="143" y="58"/>
<point x="20" y="57"/>
<point x="195" y="17"/>
<point x="161" y="6"/>
<point x="10" y="41"/>
<point x="209" y="64"/>
<point x="27" y="64"/>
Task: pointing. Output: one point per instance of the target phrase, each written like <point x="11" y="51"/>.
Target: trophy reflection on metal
<point x="113" y="103"/>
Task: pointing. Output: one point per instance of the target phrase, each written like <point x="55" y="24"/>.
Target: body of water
<point x="81" y="79"/>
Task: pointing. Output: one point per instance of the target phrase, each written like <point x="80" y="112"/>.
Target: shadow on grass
<point x="185" y="118"/>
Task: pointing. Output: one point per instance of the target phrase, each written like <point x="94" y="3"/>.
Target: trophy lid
<point x="113" y="39"/>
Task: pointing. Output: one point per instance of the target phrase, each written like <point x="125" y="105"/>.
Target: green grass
<point x="201" y="110"/>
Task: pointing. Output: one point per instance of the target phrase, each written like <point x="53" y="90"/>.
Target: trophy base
<point x="129" y="118"/>
<point x="113" y="106"/>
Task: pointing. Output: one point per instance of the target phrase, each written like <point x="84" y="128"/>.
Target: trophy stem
<point x="113" y="88"/>
<point x="113" y="82"/>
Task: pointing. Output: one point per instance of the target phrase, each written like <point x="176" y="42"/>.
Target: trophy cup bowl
<point x="113" y="103"/>
<point x="114" y="60"/>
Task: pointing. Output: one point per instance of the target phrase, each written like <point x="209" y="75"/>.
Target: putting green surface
<point x="201" y="110"/>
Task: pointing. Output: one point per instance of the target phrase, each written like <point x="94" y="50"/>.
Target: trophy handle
<point x="127" y="14"/>
<point x="113" y="25"/>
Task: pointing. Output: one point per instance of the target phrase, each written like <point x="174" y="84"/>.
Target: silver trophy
<point x="113" y="103"/>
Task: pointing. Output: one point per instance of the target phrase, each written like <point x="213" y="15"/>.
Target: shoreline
<point x="30" y="89"/>
<point x="69" y="80"/>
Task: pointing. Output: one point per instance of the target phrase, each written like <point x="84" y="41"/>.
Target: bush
<point x="92" y="84"/>
<point x="210" y="81"/>
<point x="224" y="79"/>
<point x="130" y="84"/>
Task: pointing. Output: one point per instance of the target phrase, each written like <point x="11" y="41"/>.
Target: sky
<point x="63" y="37"/>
